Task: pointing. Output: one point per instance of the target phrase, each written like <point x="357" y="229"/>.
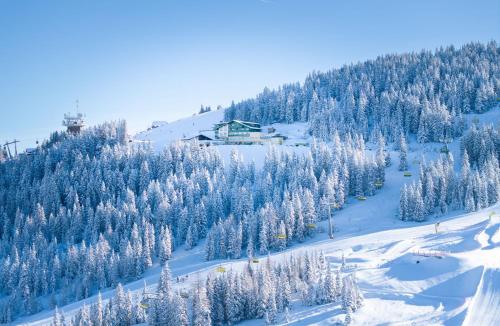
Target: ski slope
<point x="395" y="262"/>
<point x="485" y="306"/>
<point x="462" y="287"/>
<point x="184" y="128"/>
<point x="165" y="134"/>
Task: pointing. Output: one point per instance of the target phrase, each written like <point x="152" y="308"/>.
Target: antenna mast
<point x="76" y="122"/>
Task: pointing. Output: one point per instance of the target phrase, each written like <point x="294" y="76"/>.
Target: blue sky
<point x="160" y="60"/>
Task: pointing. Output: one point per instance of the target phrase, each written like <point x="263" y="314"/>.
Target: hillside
<point x="401" y="281"/>
<point x="161" y="137"/>
<point x="400" y="153"/>
<point x="397" y="288"/>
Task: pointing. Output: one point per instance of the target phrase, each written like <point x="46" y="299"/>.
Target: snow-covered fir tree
<point x="264" y="292"/>
<point x="88" y="212"/>
<point x="106" y="212"/>
<point x="439" y="188"/>
<point x="403" y="154"/>
<point x="423" y="94"/>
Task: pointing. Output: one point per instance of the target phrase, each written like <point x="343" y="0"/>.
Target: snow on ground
<point x="401" y="285"/>
<point x="165" y="134"/>
<point x="183" y="128"/>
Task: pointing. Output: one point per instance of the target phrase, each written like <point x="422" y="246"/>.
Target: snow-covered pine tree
<point x="201" y="308"/>
<point x="403" y="154"/>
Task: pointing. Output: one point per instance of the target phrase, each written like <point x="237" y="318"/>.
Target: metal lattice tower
<point x="74" y="122"/>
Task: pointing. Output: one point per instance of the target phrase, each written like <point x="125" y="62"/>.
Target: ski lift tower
<point x="74" y="123"/>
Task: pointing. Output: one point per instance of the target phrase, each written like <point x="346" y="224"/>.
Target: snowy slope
<point x="401" y="286"/>
<point x="463" y="285"/>
<point x="183" y="128"/>
<point x="459" y="287"/>
<point x="203" y="123"/>
<point x="165" y="134"/>
<point x="485" y="306"/>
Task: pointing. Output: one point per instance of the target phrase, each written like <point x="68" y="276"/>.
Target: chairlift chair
<point x="220" y="269"/>
<point x="147" y="299"/>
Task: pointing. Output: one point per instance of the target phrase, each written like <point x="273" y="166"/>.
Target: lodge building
<point x="239" y="132"/>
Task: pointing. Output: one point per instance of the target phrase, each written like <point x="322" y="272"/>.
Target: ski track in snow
<point x="400" y="287"/>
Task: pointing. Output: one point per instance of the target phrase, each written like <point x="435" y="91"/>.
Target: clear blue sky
<point x="159" y="60"/>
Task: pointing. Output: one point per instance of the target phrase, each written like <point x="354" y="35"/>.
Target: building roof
<point x="248" y="124"/>
<point x="199" y="137"/>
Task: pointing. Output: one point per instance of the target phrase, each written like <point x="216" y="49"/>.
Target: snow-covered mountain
<point x="93" y="224"/>
<point x="408" y="272"/>
<point x="400" y="278"/>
